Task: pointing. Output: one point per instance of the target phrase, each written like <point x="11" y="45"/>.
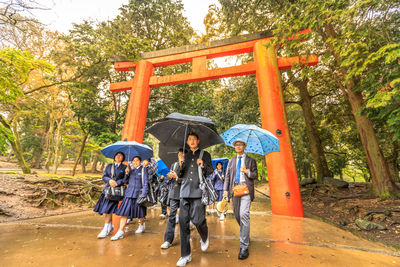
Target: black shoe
<point x="243" y="254"/>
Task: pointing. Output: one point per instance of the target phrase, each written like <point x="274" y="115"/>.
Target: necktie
<point x="239" y="164"/>
<point x="115" y="170"/>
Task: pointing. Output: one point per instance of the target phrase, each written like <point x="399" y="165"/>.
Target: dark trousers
<point x="164" y="209"/>
<point x="170" y="231"/>
<point x="191" y="209"/>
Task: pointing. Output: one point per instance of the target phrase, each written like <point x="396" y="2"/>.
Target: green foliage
<point x="15" y="67"/>
<point x="5" y="134"/>
<point x="358" y="45"/>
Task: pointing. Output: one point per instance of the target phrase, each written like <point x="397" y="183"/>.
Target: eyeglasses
<point x="239" y="144"/>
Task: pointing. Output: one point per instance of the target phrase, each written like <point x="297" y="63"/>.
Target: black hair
<point x="182" y="150"/>
<point x="192" y="133"/>
<point x="123" y="156"/>
<point x="137" y="157"/>
<point x="220" y="162"/>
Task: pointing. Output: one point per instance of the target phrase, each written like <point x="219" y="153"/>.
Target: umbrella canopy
<point x="258" y="140"/>
<point x="129" y="148"/>
<point x="168" y="154"/>
<point x="162" y="168"/>
<point x="224" y="162"/>
<point x="172" y="130"/>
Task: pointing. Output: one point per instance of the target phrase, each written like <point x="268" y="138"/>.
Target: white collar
<point x="194" y="151"/>
<point x="243" y="156"/>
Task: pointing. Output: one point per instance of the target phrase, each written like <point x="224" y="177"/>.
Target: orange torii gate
<point x="282" y="175"/>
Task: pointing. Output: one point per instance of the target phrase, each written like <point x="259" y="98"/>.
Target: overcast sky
<point x="65" y="12"/>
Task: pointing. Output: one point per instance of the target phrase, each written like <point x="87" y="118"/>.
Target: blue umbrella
<point x="258" y="140"/>
<point x="129" y="148"/>
<point x="224" y="162"/>
<point x="162" y="168"/>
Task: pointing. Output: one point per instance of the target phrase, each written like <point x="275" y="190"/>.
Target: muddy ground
<point x="37" y="195"/>
<point x="342" y="207"/>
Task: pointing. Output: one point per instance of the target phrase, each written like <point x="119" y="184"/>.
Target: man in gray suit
<point x="241" y="170"/>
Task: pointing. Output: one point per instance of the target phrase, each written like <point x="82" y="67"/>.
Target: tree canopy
<point x="344" y="113"/>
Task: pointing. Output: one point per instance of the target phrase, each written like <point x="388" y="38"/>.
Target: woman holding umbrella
<point x="113" y="175"/>
<point x="133" y="177"/>
<point x="137" y="181"/>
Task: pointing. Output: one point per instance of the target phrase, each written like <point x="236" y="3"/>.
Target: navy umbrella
<point x="224" y="162"/>
<point x="129" y="148"/>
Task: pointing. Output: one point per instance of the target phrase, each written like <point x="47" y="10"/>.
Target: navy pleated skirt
<point x="220" y="194"/>
<point x="131" y="209"/>
<point x="105" y="206"/>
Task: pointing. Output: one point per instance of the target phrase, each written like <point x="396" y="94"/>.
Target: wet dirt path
<point x="70" y="240"/>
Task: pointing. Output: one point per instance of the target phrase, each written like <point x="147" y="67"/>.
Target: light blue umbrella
<point x="129" y="148"/>
<point x="258" y="140"/>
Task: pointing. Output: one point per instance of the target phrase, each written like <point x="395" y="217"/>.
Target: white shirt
<point x="242" y="175"/>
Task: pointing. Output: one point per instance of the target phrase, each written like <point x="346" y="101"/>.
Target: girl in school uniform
<point x="103" y="205"/>
<point x="217" y="179"/>
<point x="129" y="207"/>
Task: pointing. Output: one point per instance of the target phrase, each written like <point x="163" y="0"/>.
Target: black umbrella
<point x="172" y="130"/>
<point x="168" y="154"/>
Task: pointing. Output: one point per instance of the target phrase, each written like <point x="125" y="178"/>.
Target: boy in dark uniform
<point x="191" y="208"/>
<point x="174" y="197"/>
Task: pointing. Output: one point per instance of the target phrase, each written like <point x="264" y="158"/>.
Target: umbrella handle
<point x="184" y="138"/>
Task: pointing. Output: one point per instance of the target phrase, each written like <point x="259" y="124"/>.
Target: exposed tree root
<point x="58" y="191"/>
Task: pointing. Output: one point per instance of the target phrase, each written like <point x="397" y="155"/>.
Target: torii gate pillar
<point x="135" y="120"/>
<point x="281" y="168"/>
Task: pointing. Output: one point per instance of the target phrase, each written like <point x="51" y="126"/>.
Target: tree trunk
<point x="382" y="183"/>
<point x="56" y="148"/>
<point x="392" y="161"/>
<point x="95" y="161"/>
<point x="80" y="153"/>
<point x="103" y="164"/>
<point x="19" y="155"/>
<point x="49" y="144"/>
<point x="305" y="170"/>
<point x="381" y="179"/>
<point x="64" y="156"/>
<point x="83" y="163"/>
<point x="264" y="169"/>
<point x="16" y="146"/>
<point x="317" y="150"/>
<point x="38" y="153"/>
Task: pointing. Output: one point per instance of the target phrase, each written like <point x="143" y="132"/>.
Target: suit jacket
<point x="134" y="181"/>
<point x="118" y="175"/>
<point x="175" y="184"/>
<point x="190" y="173"/>
<point x="230" y="175"/>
